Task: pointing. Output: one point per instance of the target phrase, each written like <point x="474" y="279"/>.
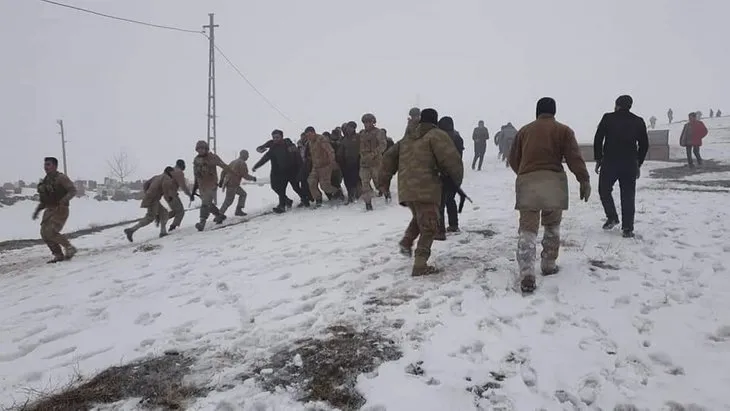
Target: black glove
<point x="253" y="170"/>
<point x="254" y="179"/>
<point x="192" y="197"/>
<point x="638" y="172"/>
<point x="598" y="167"/>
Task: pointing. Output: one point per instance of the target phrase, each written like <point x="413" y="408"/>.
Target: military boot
<point x="200" y="226"/>
<point x="528" y="284"/>
<point x="129" y="233"/>
<point x="406" y="246"/>
<point x="318" y="203"/>
<point x="289" y="203"/>
<point x="70" y="252"/>
<point x="441" y="235"/>
<point x="387" y="196"/>
<point x="55" y="259"/>
<point x="368" y="206"/>
<point x="279" y="210"/>
<point x="420" y="264"/>
<point x="452" y="229"/>
<point x="239" y="212"/>
<point x="172" y="227"/>
<point x="220" y="218"/>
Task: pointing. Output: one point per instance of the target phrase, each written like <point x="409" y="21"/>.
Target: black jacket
<point x="621" y="138"/>
<point x="284" y="157"/>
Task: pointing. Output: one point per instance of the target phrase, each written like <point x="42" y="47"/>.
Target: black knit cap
<point x="430" y="116"/>
<point x="625" y="102"/>
<point x="546" y="105"/>
<point x="180" y="163"/>
<point x="277" y="132"/>
<point x="446" y="124"/>
<point x="309" y="129"/>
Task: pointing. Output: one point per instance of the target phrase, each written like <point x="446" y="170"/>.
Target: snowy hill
<point x="641" y="322"/>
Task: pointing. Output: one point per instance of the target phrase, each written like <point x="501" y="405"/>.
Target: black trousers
<point x="448" y="206"/>
<point x="478" y="156"/>
<point x="351" y="176"/>
<point x="625" y="174"/>
<point x="279" y="183"/>
<point x="696" y="151"/>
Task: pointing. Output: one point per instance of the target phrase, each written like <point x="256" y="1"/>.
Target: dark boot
<point x="628" y="234"/>
<point x="220" y="218"/>
<point x="610" y="224"/>
<point x="240" y="213"/>
<point x="56" y="259"/>
<point x="172" y="227"/>
<point x="279" y="209"/>
<point x="200" y="226"/>
<point x="528" y="284"/>
<point x="129" y="233"/>
<point x="289" y="203"/>
<point x="452" y="229"/>
<point x="303" y="203"/>
<point x="368" y="206"/>
<point x="70" y="252"/>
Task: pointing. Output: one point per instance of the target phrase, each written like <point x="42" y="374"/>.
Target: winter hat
<point x="414" y="112"/>
<point x="201" y="144"/>
<point x="309" y="129"/>
<point x="180" y="163"/>
<point x="368" y="117"/>
<point x="546" y="105"/>
<point x="625" y="102"/>
<point x="277" y="132"/>
<point x="243" y="154"/>
<point x="430" y="116"/>
<point x="446" y="124"/>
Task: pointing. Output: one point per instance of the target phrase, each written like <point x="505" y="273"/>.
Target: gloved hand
<point x="253" y="170"/>
<point x="35" y="214"/>
<point x="585" y="190"/>
<point x="598" y="167"/>
<point x="192" y="197"/>
<point x="254" y="179"/>
<point x="220" y="184"/>
<point x="638" y="172"/>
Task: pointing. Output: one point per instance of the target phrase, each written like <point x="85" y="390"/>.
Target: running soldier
<point x="480" y="137"/>
<point x="231" y="183"/>
<point x="424" y="149"/>
<point x="323" y="161"/>
<point x="372" y="146"/>
<point x="55" y="191"/>
<point x="171" y="188"/>
<point x="153" y="191"/>
<point x="205" y="169"/>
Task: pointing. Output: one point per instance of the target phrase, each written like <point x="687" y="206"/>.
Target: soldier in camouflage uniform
<point x="542" y="187"/>
<point x="55" y="191"/>
<point x="153" y="192"/>
<point x="420" y="158"/>
<point x="205" y="169"/>
<point x="372" y="146"/>
<point x="323" y="162"/>
<point x="171" y="190"/>
<point x="232" y="185"/>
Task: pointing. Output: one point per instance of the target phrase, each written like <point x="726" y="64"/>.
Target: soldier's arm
<point x="224" y="173"/>
<point x="70" y="188"/>
<point x="598" y="140"/>
<point x="265" y="159"/>
<point x="573" y="157"/>
<point x="226" y="168"/>
<point x="180" y="179"/>
<point x="515" y="153"/>
<point x="643" y="142"/>
<point x="447" y="157"/>
<point x="388" y="166"/>
<point x="245" y="174"/>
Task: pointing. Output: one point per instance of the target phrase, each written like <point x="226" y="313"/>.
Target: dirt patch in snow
<point x="327" y="369"/>
<point x="678" y="172"/>
<point x="20" y="244"/>
<point x="157" y="381"/>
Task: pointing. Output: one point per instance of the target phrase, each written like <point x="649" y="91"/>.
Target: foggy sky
<point x="120" y="86"/>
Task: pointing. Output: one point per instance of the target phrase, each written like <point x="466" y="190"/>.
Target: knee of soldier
<point x="45" y="232"/>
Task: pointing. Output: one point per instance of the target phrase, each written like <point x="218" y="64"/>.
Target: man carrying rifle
<point x="448" y="197"/>
<point x="424" y="149"/>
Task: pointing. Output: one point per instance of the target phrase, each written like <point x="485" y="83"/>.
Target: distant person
<point x="691" y="138"/>
<point x="620" y="147"/>
<point x="712" y="113"/>
<point x="480" y="137"/>
<point x="509" y="133"/>
<point x="670" y="115"/>
<point x="55" y="191"/>
<point x="652" y="122"/>
<point x="719" y="113"/>
<point x="699" y="115"/>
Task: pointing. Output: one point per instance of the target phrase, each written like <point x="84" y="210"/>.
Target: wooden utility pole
<point x="212" y="141"/>
<point x="63" y="146"/>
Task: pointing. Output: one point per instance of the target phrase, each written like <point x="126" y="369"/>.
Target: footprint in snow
<point x="146" y="319"/>
<point x="665" y="360"/>
<point x="588" y="389"/>
<point x="721" y="335"/>
<point x="643" y="325"/>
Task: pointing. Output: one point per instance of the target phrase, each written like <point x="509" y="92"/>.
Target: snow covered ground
<point x="642" y="321"/>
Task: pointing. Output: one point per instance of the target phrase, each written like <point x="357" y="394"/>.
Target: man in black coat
<point x="285" y="168"/>
<point x="480" y="137"/>
<point x="448" y="193"/>
<point x="620" y="147"/>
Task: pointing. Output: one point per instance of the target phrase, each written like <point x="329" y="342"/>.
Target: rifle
<point x="449" y="182"/>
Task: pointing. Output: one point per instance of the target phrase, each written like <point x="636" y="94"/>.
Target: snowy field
<point x="87" y="213"/>
<point x="641" y="321"/>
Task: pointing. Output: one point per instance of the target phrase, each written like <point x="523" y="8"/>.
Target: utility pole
<point x="63" y="145"/>
<point x="212" y="142"/>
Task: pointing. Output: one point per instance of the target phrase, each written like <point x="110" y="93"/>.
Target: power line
<point x="243" y="76"/>
<point x="119" y="18"/>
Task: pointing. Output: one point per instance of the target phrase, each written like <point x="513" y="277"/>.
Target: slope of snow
<point x="641" y="321"/>
<point x="87" y="212"/>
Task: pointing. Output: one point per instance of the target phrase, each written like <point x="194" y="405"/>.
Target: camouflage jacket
<point x="55" y="189"/>
<point x="240" y="167"/>
<point x="321" y="152"/>
<point x="420" y="160"/>
<point x="206" y="171"/>
<point x="153" y="189"/>
<point x="171" y="186"/>
<point x="372" y="146"/>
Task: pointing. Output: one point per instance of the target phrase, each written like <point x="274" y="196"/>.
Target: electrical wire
<point x="159" y="26"/>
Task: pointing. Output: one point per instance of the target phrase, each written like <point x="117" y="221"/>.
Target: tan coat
<point x="240" y="168"/>
<point x="537" y="157"/>
<point x="55" y="189"/>
<point x="206" y="171"/>
<point x="171" y="186"/>
<point x="372" y="146"/>
<point x="419" y="159"/>
<point x="153" y="190"/>
<point x="321" y="152"/>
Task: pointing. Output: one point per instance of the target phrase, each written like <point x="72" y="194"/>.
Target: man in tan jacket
<point x="171" y="188"/>
<point x="153" y="191"/>
<point x="232" y="185"/>
<point x="205" y="169"/>
<point x="542" y="187"/>
<point x="323" y="162"/>
<point x="372" y="146"/>
<point x="55" y="191"/>
<point x="420" y="159"/>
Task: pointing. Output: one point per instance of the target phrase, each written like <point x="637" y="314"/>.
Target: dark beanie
<point x="309" y="129"/>
<point x="277" y="132"/>
<point x="430" y="116"/>
<point x="625" y="102"/>
<point x="180" y="163"/>
<point x="446" y="123"/>
<point x="546" y="105"/>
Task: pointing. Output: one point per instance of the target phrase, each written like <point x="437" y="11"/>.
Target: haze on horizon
<point x="121" y="86"/>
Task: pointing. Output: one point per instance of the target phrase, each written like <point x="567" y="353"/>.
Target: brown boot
<point x="70" y="252"/>
<point x="440" y="236"/>
<point x="419" y="271"/>
<point x="406" y="247"/>
<point x="56" y="259"/>
<point x="528" y="284"/>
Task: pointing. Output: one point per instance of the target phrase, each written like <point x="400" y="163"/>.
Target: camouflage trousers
<point x="424" y="225"/>
<point x="153" y="212"/>
<point x="178" y="210"/>
<point x="231" y="193"/>
<point x="527" y="242"/>
<point x="368" y="174"/>
<point x="207" y="196"/>
<point x="54" y="218"/>
<point x="320" y="177"/>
